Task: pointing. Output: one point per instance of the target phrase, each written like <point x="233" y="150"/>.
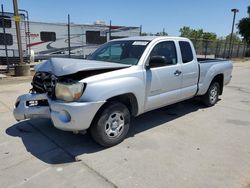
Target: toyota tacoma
<point x="122" y="78"/>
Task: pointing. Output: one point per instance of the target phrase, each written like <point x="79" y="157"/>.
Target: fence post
<point x="220" y="45"/>
<point x="5" y="41"/>
<point x="224" y="52"/>
<point x="195" y="41"/>
<point x="216" y="49"/>
<point x="206" y="46"/>
<point x="238" y="49"/>
<point x="110" y="28"/>
<point x="231" y="51"/>
<point x="247" y="53"/>
<point x="69" y="48"/>
<point x="244" y="51"/>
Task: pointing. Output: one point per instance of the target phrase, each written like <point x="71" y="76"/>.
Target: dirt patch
<point x="240" y="60"/>
<point x="248" y="186"/>
<point x="238" y="122"/>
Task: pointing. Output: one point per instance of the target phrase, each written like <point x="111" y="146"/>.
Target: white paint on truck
<point x="143" y="73"/>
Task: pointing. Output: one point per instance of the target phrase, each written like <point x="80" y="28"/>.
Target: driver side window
<point x="167" y="50"/>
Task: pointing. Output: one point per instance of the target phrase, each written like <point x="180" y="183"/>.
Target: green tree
<point x="198" y="34"/>
<point x="235" y="38"/>
<point x="244" y="27"/>
<point x="185" y="31"/>
<point x="209" y="36"/>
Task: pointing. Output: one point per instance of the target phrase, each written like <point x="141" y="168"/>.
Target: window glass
<point x="167" y="50"/>
<point x="8" y="39"/>
<point x="47" y="36"/>
<point x="186" y="51"/>
<point x="112" y="53"/>
<point x="94" y="37"/>
<point x="124" y="52"/>
<point x="6" y="22"/>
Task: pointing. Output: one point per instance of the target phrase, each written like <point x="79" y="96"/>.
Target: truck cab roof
<point x="151" y="38"/>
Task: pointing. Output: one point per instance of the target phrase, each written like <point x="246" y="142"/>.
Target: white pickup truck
<point x="122" y="78"/>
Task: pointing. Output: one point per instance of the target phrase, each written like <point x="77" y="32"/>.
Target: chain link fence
<point x="221" y="49"/>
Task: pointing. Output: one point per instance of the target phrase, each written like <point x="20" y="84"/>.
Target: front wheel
<point x="111" y="124"/>
<point x="212" y="94"/>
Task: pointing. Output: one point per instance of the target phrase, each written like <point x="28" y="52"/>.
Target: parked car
<point x="123" y="78"/>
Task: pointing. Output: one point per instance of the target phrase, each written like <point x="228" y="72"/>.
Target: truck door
<point x="190" y="71"/>
<point x="163" y="82"/>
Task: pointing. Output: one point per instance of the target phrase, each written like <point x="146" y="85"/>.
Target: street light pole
<point x="21" y="69"/>
<point x="18" y="33"/>
<point x="231" y="36"/>
<point x="28" y="27"/>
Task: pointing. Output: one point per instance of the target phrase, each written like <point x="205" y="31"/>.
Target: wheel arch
<point x="220" y="79"/>
<point x="129" y="100"/>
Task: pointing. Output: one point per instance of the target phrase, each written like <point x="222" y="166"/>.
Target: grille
<point x="44" y="82"/>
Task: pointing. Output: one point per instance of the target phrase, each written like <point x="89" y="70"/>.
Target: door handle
<point x="177" y="73"/>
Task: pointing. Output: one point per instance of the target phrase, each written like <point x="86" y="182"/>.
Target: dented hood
<point x="66" y="66"/>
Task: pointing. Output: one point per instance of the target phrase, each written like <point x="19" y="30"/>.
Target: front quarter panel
<point x="102" y="90"/>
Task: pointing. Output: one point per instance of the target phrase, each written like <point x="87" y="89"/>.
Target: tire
<point x="111" y="124"/>
<point x="212" y="94"/>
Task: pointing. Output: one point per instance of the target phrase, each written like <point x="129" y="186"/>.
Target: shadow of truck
<point x="54" y="146"/>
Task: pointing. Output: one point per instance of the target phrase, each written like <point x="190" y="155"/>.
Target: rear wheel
<point x="212" y="94"/>
<point x="111" y="124"/>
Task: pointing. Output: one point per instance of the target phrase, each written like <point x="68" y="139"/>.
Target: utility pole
<point x="21" y="69"/>
<point x="231" y="36"/>
<point x="18" y="33"/>
<point x="28" y="28"/>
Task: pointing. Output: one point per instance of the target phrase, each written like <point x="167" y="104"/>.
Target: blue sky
<point x="154" y="15"/>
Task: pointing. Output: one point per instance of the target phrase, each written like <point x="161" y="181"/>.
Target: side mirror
<point x="156" y="61"/>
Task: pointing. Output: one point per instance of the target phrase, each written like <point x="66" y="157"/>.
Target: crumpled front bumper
<point x="73" y="116"/>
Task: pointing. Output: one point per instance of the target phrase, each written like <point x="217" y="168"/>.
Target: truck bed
<point x="210" y="60"/>
<point x="209" y="68"/>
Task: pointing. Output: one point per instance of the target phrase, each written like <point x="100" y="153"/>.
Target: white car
<point x="122" y="78"/>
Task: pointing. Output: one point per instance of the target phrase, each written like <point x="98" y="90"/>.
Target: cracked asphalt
<point x="183" y="145"/>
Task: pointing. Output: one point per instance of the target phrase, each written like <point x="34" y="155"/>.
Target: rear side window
<point x="47" y="36"/>
<point x="186" y="51"/>
<point x="5" y="21"/>
<point x="8" y="39"/>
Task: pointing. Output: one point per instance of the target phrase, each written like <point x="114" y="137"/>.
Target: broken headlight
<point x="69" y="91"/>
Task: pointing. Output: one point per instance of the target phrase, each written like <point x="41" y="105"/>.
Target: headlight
<point x="69" y="91"/>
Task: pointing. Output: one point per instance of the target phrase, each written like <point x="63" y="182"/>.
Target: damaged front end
<point x="31" y="106"/>
<point x="35" y="104"/>
<point x="43" y="102"/>
<point x="47" y="98"/>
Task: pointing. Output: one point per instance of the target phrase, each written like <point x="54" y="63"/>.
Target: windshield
<point x="126" y="52"/>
